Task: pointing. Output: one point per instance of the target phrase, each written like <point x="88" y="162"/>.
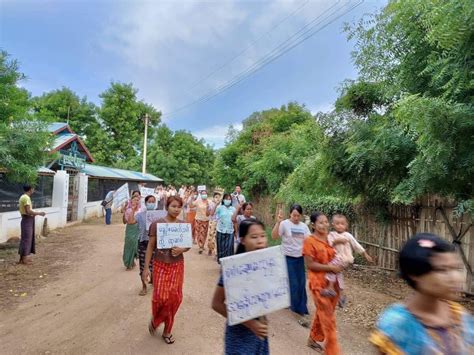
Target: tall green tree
<point x="180" y="158"/>
<point x="23" y="142"/>
<point x="119" y="142"/>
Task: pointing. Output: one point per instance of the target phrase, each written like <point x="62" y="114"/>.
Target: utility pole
<point x="145" y="144"/>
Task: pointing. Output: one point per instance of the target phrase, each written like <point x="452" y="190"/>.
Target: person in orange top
<point x="317" y="254"/>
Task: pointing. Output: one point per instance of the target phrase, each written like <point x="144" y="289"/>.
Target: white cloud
<point x="167" y="46"/>
<point x="216" y="135"/>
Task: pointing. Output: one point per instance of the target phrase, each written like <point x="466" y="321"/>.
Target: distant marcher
<point x="109" y="199"/>
<point x="27" y="242"/>
<point x="429" y="321"/>
<point x="161" y="197"/>
<point x="201" y="223"/>
<point x="150" y="203"/>
<point x="225" y="227"/>
<point x="211" y="232"/>
<point x="293" y="232"/>
<point x="243" y="211"/>
<point x="168" y="275"/>
<point x="130" y="246"/>
<point x="250" y="337"/>
<point x="237" y="197"/>
<point x="191" y="210"/>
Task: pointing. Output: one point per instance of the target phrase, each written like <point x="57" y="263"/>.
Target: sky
<point x="181" y="54"/>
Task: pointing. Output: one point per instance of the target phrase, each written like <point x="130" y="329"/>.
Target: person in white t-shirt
<point x="292" y="233"/>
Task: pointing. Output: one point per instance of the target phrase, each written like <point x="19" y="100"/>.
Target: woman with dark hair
<point x="318" y="255"/>
<point x="150" y="204"/>
<point x="168" y="274"/>
<point x="225" y="227"/>
<point x="130" y="247"/>
<point x="243" y="212"/>
<point x="292" y="233"/>
<point x="429" y="321"/>
<point x="250" y="337"/>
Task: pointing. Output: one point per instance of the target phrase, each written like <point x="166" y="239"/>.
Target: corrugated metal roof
<point x="45" y="170"/>
<point x="113" y="173"/>
<point x="62" y="138"/>
<point x="53" y="127"/>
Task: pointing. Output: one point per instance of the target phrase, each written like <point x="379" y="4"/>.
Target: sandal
<point x="342" y="301"/>
<point x="168" y="340"/>
<point x="328" y="293"/>
<point x="151" y="328"/>
<point x="316" y="346"/>
<point x="304" y="322"/>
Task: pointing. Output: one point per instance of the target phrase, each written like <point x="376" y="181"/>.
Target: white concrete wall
<point x="10" y="222"/>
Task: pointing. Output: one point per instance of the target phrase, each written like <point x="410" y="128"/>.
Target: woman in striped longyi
<point x="168" y="274"/>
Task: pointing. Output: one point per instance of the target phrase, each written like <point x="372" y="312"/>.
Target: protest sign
<point x="255" y="283"/>
<point x="171" y="235"/>
<point x="145" y="191"/>
<point x="121" y="195"/>
<point x="202" y="188"/>
<point x="153" y="216"/>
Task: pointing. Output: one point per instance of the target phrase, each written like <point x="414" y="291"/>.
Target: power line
<point x="249" y="46"/>
<point x="273" y="55"/>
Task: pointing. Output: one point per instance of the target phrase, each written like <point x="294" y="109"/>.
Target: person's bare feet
<point x="143" y="292"/>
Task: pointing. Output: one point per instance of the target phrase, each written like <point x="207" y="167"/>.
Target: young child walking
<point x="250" y="337"/>
<point x="344" y="242"/>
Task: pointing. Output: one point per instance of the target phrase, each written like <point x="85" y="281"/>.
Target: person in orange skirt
<point x="168" y="274"/>
<point x="191" y="209"/>
<point x="317" y="254"/>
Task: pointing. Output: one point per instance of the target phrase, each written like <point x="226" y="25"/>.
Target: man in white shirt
<point x="237" y="197"/>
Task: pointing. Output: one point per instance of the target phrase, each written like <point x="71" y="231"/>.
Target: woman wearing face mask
<point x="293" y="232"/>
<point x="250" y="337"/>
<point x="150" y="203"/>
<point x="201" y="223"/>
<point x="225" y="227"/>
<point x="429" y="321"/>
<point x="131" y="233"/>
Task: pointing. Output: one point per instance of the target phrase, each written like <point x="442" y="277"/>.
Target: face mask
<point x="227" y="203"/>
<point x="150" y="206"/>
<point x="204" y="197"/>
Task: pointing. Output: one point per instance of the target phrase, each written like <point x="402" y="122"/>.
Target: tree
<point x="23" y="142"/>
<point x="119" y="142"/>
<point x="179" y="157"/>
<point x="65" y="106"/>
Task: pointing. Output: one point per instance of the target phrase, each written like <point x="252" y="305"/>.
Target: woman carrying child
<point x="250" y="337"/>
<point x="318" y="254"/>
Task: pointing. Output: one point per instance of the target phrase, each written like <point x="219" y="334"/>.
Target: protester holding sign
<point x="141" y="218"/>
<point x="201" y="223"/>
<point x="130" y="246"/>
<point x="318" y="255"/>
<point x="225" y="227"/>
<point x="168" y="274"/>
<point x="292" y="233"/>
<point x="250" y="337"/>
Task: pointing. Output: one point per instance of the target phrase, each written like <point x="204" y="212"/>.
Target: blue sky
<point x="168" y="49"/>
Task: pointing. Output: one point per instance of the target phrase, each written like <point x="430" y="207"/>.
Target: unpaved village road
<point x="92" y="307"/>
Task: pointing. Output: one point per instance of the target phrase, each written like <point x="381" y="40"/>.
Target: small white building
<point x="70" y="189"/>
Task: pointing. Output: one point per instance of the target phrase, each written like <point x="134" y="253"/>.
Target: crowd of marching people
<point x="223" y="224"/>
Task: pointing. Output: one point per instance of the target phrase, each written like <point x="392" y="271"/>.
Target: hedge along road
<point x="92" y="306"/>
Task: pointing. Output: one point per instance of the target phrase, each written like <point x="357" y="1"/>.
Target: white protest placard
<point x="121" y="195"/>
<point x="255" y="284"/>
<point x="145" y="191"/>
<point x="153" y="216"/>
<point x="171" y="235"/>
<point x="202" y="188"/>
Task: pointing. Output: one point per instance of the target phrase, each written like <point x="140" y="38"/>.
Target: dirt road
<point x="91" y="305"/>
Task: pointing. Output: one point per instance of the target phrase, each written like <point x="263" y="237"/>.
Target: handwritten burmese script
<point x="171" y="235"/>
<point x="255" y="283"/>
